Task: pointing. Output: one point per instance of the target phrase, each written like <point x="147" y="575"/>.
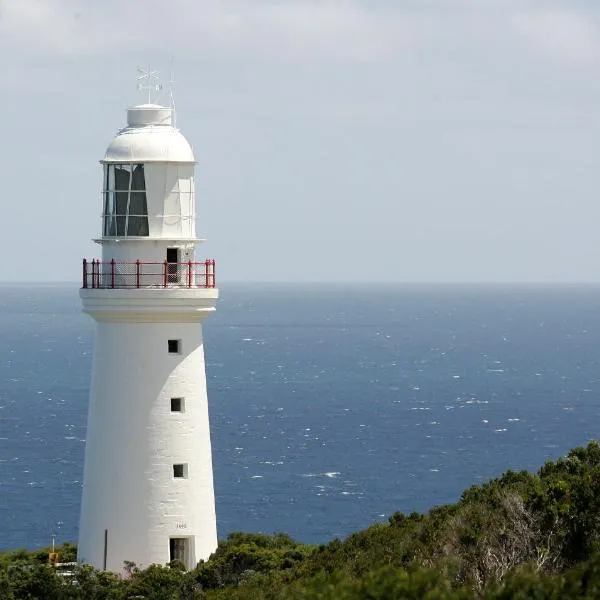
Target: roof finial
<point x="150" y="76"/>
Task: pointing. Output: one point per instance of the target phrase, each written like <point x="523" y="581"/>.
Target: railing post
<point x="166" y="276"/>
<point x="112" y="273"/>
<point x="94" y="273"/>
<point x="84" y="273"/>
<point x="189" y="273"/>
<point x="214" y="280"/>
<point x="137" y="273"/>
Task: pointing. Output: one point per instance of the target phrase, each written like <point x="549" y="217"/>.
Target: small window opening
<point x="177" y="405"/>
<point x="180" y="471"/>
<point x="174" y="346"/>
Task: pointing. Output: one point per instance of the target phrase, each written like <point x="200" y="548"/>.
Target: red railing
<point x="141" y="274"/>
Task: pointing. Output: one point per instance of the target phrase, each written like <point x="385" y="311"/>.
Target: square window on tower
<point x="180" y="471"/>
<point x="174" y="346"/>
<point x="177" y="405"/>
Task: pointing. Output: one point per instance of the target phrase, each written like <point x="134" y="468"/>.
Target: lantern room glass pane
<point x="138" y="181"/>
<point x="122" y="177"/>
<point x="125" y="204"/>
<point x="137" y="226"/>
<point x="120" y="226"/>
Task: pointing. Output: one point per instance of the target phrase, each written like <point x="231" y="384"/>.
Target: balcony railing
<point x="142" y="274"/>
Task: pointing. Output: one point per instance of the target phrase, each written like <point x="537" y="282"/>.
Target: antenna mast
<point x="172" y="90"/>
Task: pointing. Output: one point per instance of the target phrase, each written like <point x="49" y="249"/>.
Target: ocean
<point x="331" y="406"/>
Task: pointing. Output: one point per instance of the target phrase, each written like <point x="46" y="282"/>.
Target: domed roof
<point x="149" y="137"/>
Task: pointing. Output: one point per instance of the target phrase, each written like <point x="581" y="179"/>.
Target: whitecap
<point x="330" y="474"/>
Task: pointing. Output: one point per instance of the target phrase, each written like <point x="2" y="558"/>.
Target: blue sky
<point x="375" y="140"/>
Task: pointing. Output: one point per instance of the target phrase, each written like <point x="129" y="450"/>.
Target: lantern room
<point x="148" y="179"/>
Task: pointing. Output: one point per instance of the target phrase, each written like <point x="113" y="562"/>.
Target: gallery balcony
<point x="143" y="274"/>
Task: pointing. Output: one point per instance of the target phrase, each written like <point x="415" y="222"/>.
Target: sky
<point x="337" y="140"/>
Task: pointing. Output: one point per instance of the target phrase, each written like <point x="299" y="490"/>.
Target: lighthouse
<point x="148" y="492"/>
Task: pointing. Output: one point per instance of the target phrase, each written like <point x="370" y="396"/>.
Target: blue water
<point x="331" y="407"/>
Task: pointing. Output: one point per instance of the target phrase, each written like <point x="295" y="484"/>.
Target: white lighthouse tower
<point x="148" y="484"/>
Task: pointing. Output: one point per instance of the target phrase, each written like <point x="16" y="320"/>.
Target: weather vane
<point x="152" y="85"/>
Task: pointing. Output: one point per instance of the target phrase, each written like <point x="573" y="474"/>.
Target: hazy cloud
<point x="563" y="34"/>
<point x="339" y="29"/>
<point x="294" y="29"/>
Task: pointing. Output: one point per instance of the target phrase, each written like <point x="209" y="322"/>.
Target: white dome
<point x="149" y="137"/>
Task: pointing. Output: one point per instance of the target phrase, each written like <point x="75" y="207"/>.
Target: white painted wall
<point x="133" y="439"/>
<point x="125" y="253"/>
<point x="148" y="250"/>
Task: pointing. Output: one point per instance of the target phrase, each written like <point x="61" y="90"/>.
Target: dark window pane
<point x="120" y="226"/>
<point x="138" y="181"/>
<point x="138" y="221"/>
<point x="122" y="177"/>
<point x="137" y="204"/>
<point x="137" y="226"/>
<point x="121" y="203"/>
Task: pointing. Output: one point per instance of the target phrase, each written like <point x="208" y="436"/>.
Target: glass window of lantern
<point x="125" y="203"/>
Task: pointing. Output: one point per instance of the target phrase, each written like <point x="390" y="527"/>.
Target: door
<point x="179" y="549"/>
<point x="173" y="265"/>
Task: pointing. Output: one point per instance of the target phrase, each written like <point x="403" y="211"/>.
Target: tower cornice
<point x="149" y="305"/>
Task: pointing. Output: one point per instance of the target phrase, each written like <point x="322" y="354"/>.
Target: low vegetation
<point x="522" y="535"/>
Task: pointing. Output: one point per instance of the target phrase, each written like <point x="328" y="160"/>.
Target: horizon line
<point x="65" y="282"/>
